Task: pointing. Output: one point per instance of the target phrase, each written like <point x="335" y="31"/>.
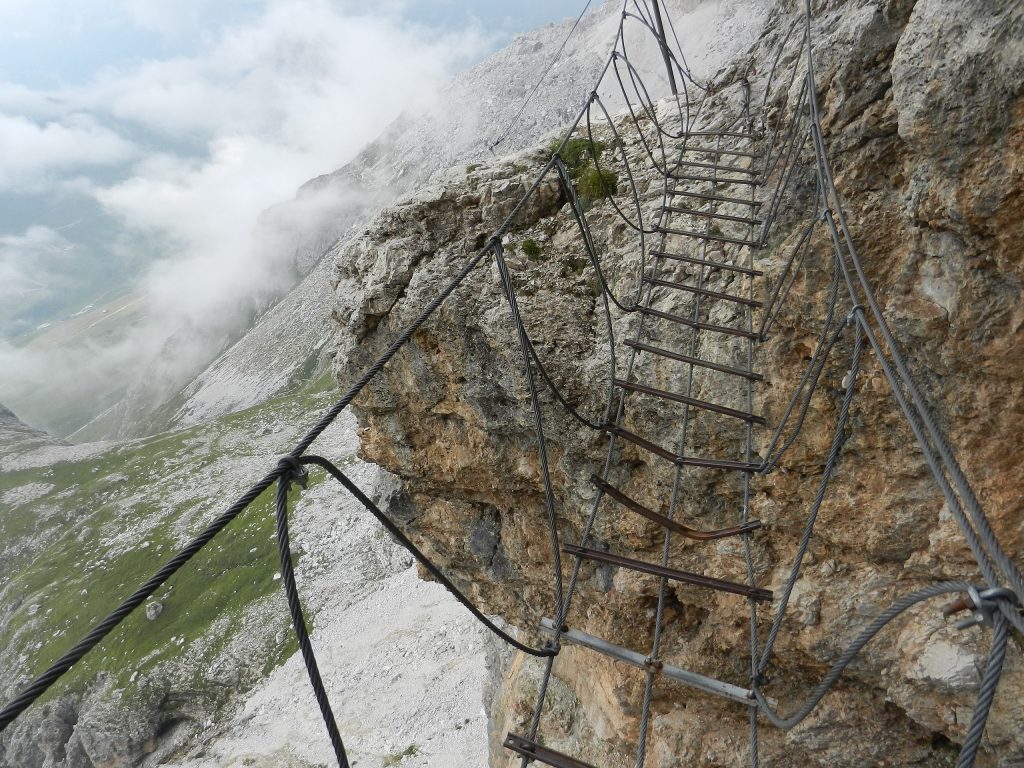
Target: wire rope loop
<point x="293" y="471"/>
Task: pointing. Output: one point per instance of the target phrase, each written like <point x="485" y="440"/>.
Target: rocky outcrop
<point x="926" y="142"/>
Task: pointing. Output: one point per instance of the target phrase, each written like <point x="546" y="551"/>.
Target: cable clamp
<point x="852" y="316"/>
<point x="982" y="604"/>
<point x="294" y="471"/>
<point x="654" y="664"/>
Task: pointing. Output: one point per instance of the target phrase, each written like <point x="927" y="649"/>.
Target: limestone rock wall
<point x="924" y="114"/>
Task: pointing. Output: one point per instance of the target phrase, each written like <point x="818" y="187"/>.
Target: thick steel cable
<point x="59" y="668"/>
<point x="292" y="470"/>
<point x="540" y="80"/>
<point x="416" y="552"/>
<point x="780" y="291"/>
<point x="646" y="102"/>
<point x="987" y="692"/>
<point x="926" y="431"/>
<point x="827" y="340"/>
<point x="852" y="651"/>
<point x="639" y="226"/>
<point x="681" y="64"/>
<point x="538" y="420"/>
<point x="577" y="211"/>
<point x="839" y="437"/>
<point x="973" y="508"/>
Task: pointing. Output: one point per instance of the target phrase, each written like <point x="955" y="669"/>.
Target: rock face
<point x="926" y="141"/>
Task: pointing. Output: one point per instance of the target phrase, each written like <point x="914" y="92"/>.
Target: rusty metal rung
<point x="715" y="198"/>
<point x="720" y="134"/>
<point x="725" y="151"/>
<point x="683" y="461"/>
<point x="717" y="167"/>
<point x="699" y="325"/>
<point x="693" y="360"/>
<point x="707" y="236"/>
<point x="686" y="577"/>
<point x="704" y="292"/>
<point x="707" y="263"/>
<point x="672" y="525"/>
<point x="686" y="177"/>
<point x="534" y="751"/>
<point x="686" y="400"/>
<point x="712" y="215"/>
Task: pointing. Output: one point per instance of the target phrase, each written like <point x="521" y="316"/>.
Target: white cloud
<point x="22" y="262"/>
<point x="34" y="152"/>
<point x="293" y="92"/>
<point x="169" y="18"/>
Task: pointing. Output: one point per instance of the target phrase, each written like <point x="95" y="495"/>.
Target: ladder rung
<point x="693" y="679"/>
<point x="716" y="134"/>
<point x="686" y="177"/>
<point x="694" y="360"/>
<point x="726" y="151"/>
<point x="686" y="577"/>
<point x="534" y="751"/>
<point x="683" y="461"/>
<point x="712" y="215"/>
<point x="716" y="167"/>
<point x="707" y="236"/>
<point x="672" y="525"/>
<point x="704" y="292"/>
<point x="665" y="395"/>
<point x="708" y="263"/>
<point x="715" y="198"/>
<point x="701" y="326"/>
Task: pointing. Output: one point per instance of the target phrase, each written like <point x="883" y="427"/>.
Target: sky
<point x="141" y="139"/>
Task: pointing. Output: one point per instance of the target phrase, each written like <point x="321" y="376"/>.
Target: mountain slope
<point x="476" y="109"/>
<point x="83" y="525"/>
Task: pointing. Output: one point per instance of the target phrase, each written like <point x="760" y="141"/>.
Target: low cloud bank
<point x="183" y="155"/>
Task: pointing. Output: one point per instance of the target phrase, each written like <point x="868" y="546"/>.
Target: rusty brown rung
<point x="546" y="755"/>
<point x="708" y="236"/>
<point x="693" y="360"/>
<point x="704" y="292"/>
<point x="724" y="151"/>
<point x="715" y="198"/>
<point x="707" y="263"/>
<point x="686" y="577"/>
<point x="718" y="135"/>
<point x="711" y="214"/>
<point x="698" y="324"/>
<point x="685" y="400"/>
<point x="685" y="177"/>
<point x="665" y="522"/>
<point x="717" y="167"/>
<point x="683" y="461"/>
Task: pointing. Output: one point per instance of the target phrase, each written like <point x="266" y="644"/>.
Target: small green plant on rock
<point x="597" y="185"/>
<point x="531" y="249"/>
<point x="577" y="154"/>
<point x="397" y="757"/>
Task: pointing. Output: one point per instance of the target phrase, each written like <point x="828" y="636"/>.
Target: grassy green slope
<point x="79" y="535"/>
